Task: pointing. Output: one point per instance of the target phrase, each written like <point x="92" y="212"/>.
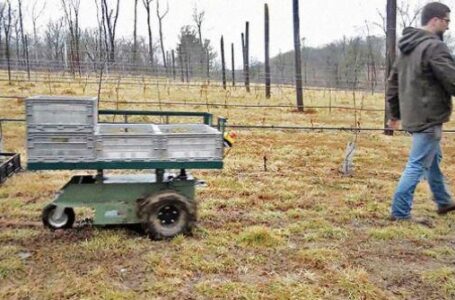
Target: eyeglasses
<point x="447" y="20"/>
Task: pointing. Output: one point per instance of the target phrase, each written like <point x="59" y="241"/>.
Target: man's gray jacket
<point x="422" y="81"/>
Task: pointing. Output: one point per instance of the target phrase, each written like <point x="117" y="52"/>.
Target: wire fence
<point x="225" y="105"/>
<point x="320" y="76"/>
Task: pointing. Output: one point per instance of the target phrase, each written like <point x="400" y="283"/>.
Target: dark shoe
<point x="421" y="221"/>
<point x="445" y="209"/>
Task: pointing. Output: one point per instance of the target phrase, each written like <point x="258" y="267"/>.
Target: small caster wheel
<point x="53" y="221"/>
<point x="167" y="214"/>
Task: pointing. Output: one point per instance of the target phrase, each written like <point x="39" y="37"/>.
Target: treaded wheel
<point x="65" y="221"/>
<point x="166" y="215"/>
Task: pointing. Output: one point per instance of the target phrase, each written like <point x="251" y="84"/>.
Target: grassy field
<point x="299" y="230"/>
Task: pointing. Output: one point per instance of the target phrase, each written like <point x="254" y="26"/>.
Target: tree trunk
<point x="149" y="30"/>
<point x="182" y="76"/>
<point x="27" y="61"/>
<point x="135" y="34"/>
<point x="187" y="64"/>
<point x="173" y="64"/>
<point x="21" y="25"/>
<point x="111" y="22"/>
<point x="267" y="51"/>
<point x="208" y="64"/>
<point x="168" y="59"/>
<point x="223" y="63"/>
<point x="391" y="36"/>
<point x="160" y="27"/>
<point x="7" y="28"/>
<point x="298" y="58"/>
<point x="17" y="46"/>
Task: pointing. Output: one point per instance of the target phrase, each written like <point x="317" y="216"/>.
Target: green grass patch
<point x="260" y="236"/>
<point x="355" y="284"/>
<point x="18" y="234"/>
<point x="442" y="279"/>
<point x="406" y="231"/>
<point x="319" y="257"/>
<point x="440" y="252"/>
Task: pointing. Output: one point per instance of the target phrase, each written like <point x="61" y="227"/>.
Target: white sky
<point x="322" y="21"/>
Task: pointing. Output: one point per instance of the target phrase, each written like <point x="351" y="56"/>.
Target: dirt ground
<point x="300" y="230"/>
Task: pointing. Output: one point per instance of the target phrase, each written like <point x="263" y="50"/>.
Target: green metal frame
<point x="116" y="203"/>
<point x="124" y="165"/>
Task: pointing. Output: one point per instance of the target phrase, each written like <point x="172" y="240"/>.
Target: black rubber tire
<point x="46" y="217"/>
<point x="166" y="215"/>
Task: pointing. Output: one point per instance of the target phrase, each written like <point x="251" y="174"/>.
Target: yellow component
<point x="229" y="138"/>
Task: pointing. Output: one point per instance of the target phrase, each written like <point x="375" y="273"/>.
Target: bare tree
<point x="103" y="45"/>
<point x="2" y="17"/>
<point x="17" y="38"/>
<point x="149" y="28"/>
<point x="104" y="39"/>
<point x="55" y="39"/>
<point x="110" y="18"/>
<point x="71" y="10"/>
<point x="173" y="64"/>
<point x="27" y="61"/>
<point x="160" y="26"/>
<point x="198" y="18"/>
<point x="7" y="20"/>
<point x="180" y="55"/>
<point x="280" y="65"/>
<point x="36" y="13"/>
<point x="135" y="33"/>
<point x="21" y="28"/>
<point x="408" y="14"/>
<point x="383" y="24"/>
<point x="207" y="55"/>
<point x="371" y="64"/>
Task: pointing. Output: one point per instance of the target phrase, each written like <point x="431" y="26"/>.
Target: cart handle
<point x="207" y="117"/>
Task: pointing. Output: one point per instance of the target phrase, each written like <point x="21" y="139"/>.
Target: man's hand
<point x="394" y="124"/>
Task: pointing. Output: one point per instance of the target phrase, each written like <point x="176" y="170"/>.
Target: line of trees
<point x="64" y="45"/>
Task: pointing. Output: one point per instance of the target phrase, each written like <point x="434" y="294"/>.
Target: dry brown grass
<point x="298" y="231"/>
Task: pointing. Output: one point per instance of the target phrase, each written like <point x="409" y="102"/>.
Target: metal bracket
<point x="58" y="212"/>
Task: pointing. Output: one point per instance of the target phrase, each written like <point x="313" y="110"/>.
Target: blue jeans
<point x="424" y="160"/>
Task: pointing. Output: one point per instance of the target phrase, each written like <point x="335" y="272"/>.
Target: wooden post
<point x="298" y="58"/>
<point x="247" y="56"/>
<point x="391" y="37"/>
<point x="267" y="51"/>
<point x="208" y="65"/>
<point x="173" y="64"/>
<point x="182" y="75"/>
<point x="233" y="64"/>
<point x="27" y="61"/>
<point x="223" y="63"/>
<point x="243" y="54"/>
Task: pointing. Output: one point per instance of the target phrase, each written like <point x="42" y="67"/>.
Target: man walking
<point x="419" y="94"/>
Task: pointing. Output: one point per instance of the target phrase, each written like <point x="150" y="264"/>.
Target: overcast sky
<point x="322" y="21"/>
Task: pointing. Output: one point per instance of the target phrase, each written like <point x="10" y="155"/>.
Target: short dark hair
<point x="434" y="10"/>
